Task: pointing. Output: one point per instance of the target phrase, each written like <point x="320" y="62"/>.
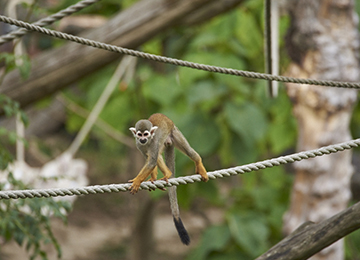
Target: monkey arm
<point x="142" y="176"/>
<point x="148" y="169"/>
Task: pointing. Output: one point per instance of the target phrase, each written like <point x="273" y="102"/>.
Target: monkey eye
<point x="145" y="134"/>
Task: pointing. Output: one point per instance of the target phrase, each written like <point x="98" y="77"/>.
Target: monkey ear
<point x="152" y="130"/>
<point x="133" y="130"/>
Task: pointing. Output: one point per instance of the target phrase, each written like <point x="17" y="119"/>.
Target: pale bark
<point x="57" y="68"/>
<point x="323" y="43"/>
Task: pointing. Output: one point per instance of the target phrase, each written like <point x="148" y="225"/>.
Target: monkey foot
<point x="164" y="179"/>
<point x="134" y="187"/>
<point x="204" y="177"/>
<point x="200" y="169"/>
<point x="152" y="180"/>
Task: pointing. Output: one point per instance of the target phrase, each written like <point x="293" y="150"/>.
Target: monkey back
<point x="161" y="121"/>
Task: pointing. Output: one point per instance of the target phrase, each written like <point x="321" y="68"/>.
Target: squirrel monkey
<point x="153" y="137"/>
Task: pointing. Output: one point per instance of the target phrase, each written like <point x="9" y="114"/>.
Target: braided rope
<point x="39" y="193"/>
<point x="177" y="62"/>
<point x="48" y="20"/>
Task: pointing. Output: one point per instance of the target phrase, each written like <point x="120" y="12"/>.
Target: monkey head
<point x="143" y="131"/>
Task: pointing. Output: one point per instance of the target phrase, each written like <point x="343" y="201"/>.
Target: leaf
<point x="214" y="238"/>
<point x="282" y="132"/>
<point x="209" y="191"/>
<point x="162" y="90"/>
<point x="241" y="151"/>
<point x="189" y="76"/>
<point x="25" y="67"/>
<point x="281" y="136"/>
<point x="74" y="123"/>
<point x="12" y="137"/>
<point x="249" y="33"/>
<point x="94" y="85"/>
<point x="202" y="133"/>
<point x="249" y="231"/>
<point x="247" y="120"/>
<point x="205" y="91"/>
<point x="115" y="112"/>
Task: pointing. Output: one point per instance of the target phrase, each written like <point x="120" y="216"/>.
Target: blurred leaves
<point x="27" y="221"/>
<point x="213" y="239"/>
<point x="202" y="133"/>
<point x="161" y="89"/>
<point x="248" y="121"/>
<point x="11" y="60"/>
<point x="103" y="7"/>
<point x="11" y="108"/>
<point x="249" y="231"/>
<point x="228" y="120"/>
<point x="253" y="221"/>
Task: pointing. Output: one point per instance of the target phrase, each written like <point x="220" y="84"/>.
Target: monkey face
<point x="143" y="136"/>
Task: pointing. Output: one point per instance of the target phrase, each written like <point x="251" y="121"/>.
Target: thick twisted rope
<point x="45" y="193"/>
<point x="48" y="20"/>
<point x="177" y="62"/>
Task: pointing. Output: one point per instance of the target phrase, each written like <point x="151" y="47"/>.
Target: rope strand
<point x="112" y="48"/>
<point x="48" y="20"/>
<point x="45" y="193"/>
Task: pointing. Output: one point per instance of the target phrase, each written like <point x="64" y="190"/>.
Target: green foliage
<point x="104" y="7"/>
<point x="249" y="232"/>
<point x="253" y="221"/>
<point x="352" y="242"/>
<point x="215" y="238"/>
<point x="10" y="108"/>
<point x="27" y="221"/>
<point x="229" y="120"/>
<point x="10" y="63"/>
<point x="355" y="122"/>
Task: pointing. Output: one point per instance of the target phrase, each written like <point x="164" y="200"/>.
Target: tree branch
<point x="311" y="238"/>
<point x="55" y="69"/>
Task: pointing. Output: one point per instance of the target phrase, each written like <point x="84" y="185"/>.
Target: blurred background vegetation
<point x="203" y="105"/>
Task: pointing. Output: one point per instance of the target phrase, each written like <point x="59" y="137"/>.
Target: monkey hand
<point x="135" y="186"/>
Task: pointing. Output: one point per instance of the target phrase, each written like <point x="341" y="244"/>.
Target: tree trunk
<point x="323" y="43"/>
<point x="57" y="68"/>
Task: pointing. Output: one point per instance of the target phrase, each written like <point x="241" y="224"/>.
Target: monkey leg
<point x="183" y="145"/>
<point x="142" y="176"/>
<point x="163" y="168"/>
<point x="154" y="174"/>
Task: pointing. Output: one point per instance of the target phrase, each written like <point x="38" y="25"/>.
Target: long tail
<point x="170" y="162"/>
<point x="183" y="234"/>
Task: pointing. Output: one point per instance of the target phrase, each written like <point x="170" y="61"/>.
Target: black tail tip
<point x="183" y="234"/>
